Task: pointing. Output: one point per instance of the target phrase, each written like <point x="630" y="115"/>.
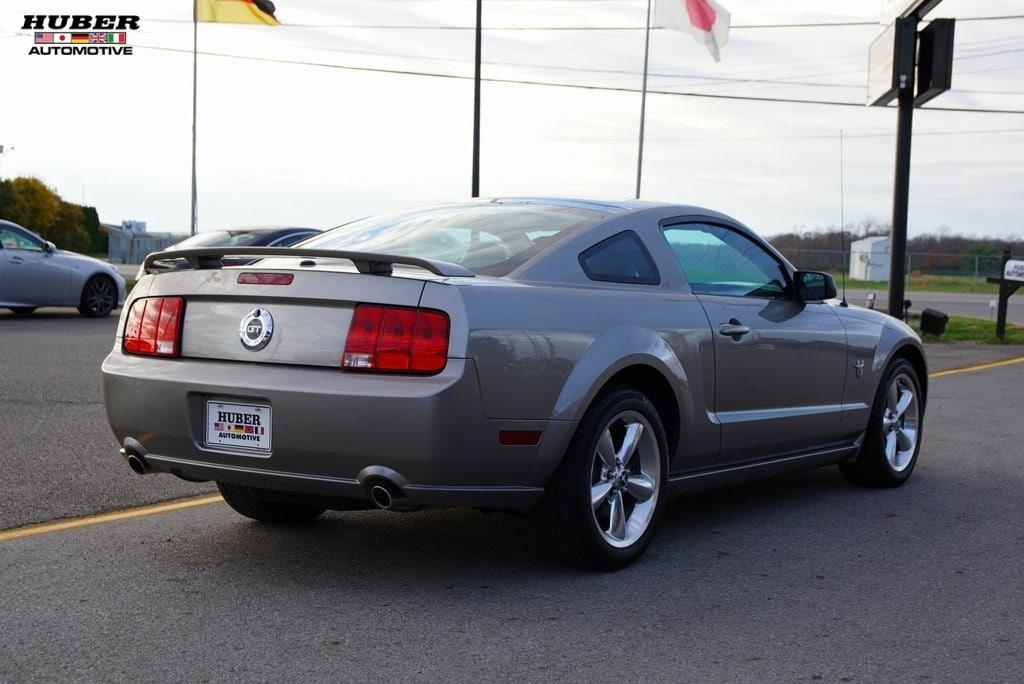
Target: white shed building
<point x="869" y="259"/>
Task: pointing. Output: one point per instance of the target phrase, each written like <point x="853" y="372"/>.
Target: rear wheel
<point x="23" y="310"/>
<point x="99" y="297"/>
<point x="602" y="505"/>
<point x="893" y="438"/>
<point x="245" y="501"/>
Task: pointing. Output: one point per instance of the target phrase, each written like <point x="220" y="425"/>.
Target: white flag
<point x="705" y="19"/>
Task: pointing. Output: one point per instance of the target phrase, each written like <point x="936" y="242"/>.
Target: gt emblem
<point x="256" y="329"/>
<point x="859" y="367"/>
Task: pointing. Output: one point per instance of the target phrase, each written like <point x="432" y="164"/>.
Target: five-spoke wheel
<point x="899" y="422"/>
<point x="601" y="507"/>
<point x="624" y="479"/>
<point x="893" y="438"/>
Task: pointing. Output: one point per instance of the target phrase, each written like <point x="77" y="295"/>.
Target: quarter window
<point x="720" y="261"/>
<point x="621" y="258"/>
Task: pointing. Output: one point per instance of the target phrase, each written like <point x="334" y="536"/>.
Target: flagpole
<point x="476" y="100"/>
<point x="643" y="101"/>
<point x="195" y="36"/>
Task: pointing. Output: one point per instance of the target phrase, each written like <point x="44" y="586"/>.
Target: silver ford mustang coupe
<point x="579" y="360"/>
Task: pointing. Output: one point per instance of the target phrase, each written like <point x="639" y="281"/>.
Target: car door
<point x="33" y="277"/>
<point x="779" y="363"/>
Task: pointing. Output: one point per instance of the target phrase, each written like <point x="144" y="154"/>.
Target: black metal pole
<point x="901" y="189"/>
<point x="476" y="100"/>
<point x="1004" y="295"/>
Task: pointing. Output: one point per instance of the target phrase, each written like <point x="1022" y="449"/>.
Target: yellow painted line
<point x="979" y="367"/>
<point x="101" y="518"/>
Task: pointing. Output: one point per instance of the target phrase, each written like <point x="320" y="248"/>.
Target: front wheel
<point x="893" y="437"/>
<point x="245" y="501"/>
<point x="602" y="505"/>
<point x="99" y="297"/>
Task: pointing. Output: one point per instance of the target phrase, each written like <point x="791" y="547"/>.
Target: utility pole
<point x="476" y="99"/>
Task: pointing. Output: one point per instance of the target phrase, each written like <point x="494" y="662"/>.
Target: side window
<point x="621" y="258"/>
<point x="720" y="261"/>
<point x="16" y="239"/>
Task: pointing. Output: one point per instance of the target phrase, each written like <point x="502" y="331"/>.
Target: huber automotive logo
<point x="81" y="34"/>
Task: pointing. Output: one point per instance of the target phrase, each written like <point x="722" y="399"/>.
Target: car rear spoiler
<point x="365" y="262"/>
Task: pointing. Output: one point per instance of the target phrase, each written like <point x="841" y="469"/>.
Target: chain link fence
<point x="979" y="266"/>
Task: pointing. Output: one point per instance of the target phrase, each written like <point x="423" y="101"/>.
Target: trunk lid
<point x="310" y="316"/>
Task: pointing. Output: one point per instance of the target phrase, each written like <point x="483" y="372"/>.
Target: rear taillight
<point x="154" y="326"/>
<point x="396" y="340"/>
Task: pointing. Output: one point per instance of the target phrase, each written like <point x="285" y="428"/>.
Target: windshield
<point x="219" y="238"/>
<point x="489" y="239"/>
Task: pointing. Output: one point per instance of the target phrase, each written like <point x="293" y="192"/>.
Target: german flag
<point x="237" y="11"/>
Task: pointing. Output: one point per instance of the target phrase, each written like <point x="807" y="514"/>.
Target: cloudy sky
<point x="305" y="124"/>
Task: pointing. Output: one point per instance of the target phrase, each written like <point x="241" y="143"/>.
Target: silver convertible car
<point x="580" y="361"/>
<point x="34" y="273"/>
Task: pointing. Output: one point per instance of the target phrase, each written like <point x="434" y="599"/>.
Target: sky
<point x="340" y="136"/>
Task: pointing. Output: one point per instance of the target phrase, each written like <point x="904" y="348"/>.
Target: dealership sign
<point x="80" y="34"/>
<point x="1014" y="270"/>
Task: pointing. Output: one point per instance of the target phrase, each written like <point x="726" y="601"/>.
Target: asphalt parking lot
<point x="800" y="577"/>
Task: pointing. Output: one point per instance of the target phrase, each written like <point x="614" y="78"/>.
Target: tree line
<point x="32" y="204"/>
<point x="943" y="251"/>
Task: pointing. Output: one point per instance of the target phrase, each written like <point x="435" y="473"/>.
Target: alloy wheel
<point x="625" y="479"/>
<point x="900" y="422"/>
<point x="100" y="296"/>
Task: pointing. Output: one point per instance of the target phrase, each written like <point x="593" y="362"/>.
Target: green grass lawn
<point x="919" y="282"/>
<point x="964" y="329"/>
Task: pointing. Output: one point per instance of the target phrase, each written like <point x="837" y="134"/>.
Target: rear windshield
<point x="489" y="239"/>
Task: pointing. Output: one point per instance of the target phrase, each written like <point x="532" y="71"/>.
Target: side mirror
<point x="50" y="247"/>
<point x="812" y="286"/>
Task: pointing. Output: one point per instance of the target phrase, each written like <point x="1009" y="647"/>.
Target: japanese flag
<point x="705" y="19"/>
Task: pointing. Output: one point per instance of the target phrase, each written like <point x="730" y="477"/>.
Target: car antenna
<point x="842" y="220"/>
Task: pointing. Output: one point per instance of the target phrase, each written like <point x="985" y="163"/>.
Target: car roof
<point x="616" y="207"/>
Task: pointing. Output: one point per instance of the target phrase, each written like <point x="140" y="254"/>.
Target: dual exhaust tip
<point x="384" y="494"/>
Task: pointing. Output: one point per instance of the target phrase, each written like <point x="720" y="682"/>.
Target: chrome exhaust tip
<point x="381" y="497"/>
<point x="388" y="496"/>
<point x="136" y="462"/>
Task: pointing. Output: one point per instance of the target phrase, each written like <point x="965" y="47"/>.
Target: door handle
<point x="16" y="260"/>
<point x="733" y="329"/>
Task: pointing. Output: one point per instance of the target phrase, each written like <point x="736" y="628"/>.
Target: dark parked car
<point x="262" y="236"/>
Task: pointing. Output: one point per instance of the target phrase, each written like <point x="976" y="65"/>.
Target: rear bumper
<point x="333" y="432"/>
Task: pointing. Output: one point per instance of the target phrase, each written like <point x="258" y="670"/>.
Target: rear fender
<point x="604" y="358"/>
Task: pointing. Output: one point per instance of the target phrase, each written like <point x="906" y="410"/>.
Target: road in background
<point x="59" y="456"/>
<point x="953" y="303"/>
<point x="800" y="577"/>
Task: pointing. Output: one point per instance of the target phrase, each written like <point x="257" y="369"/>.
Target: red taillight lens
<point x="396" y="339"/>
<point x="249" y="278"/>
<point x="153" y="327"/>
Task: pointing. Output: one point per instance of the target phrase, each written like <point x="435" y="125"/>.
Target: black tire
<point x="872" y="468"/>
<point x="565" y="518"/>
<point x="247" y="503"/>
<point x="23" y="310"/>
<point x="99" y="297"/>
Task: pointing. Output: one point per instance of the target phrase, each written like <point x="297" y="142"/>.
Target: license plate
<point x="239" y="426"/>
